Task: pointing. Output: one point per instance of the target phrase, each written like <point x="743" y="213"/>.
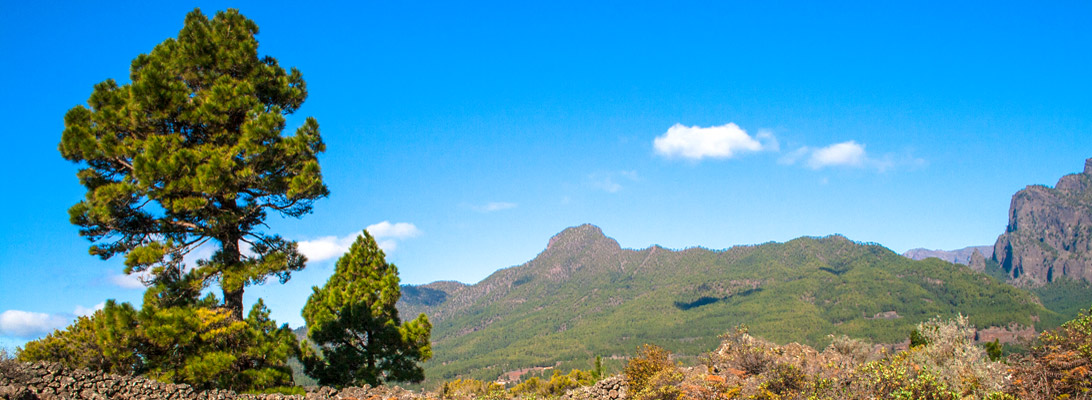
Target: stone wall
<point x="612" y="388"/>
<point x="48" y="381"/>
<point x="45" y="381"/>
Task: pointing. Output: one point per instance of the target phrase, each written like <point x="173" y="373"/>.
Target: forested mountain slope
<point x="586" y="296"/>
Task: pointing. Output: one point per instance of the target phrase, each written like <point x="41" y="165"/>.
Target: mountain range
<point x="585" y="296"/>
<point x="959" y="256"/>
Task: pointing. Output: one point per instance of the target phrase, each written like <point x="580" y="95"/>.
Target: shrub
<point x="785" y="379"/>
<point x="947" y="366"/>
<point x="7" y="363"/>
<point x="652" y="374"/>
<point x="950" y="353"/>
<point x="461" y="389"/>
<point x="531" y="386"/>
<point x="739" y="350"/>
<point x="557" y="385"/>
<point x="856" y="350"/>
<point x="1060" y="366"/>
<point x="105" y="341"/>
<point x="897" y="379"/>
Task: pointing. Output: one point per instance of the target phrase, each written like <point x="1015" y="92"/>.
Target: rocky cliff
<point x="1050" y="232"/>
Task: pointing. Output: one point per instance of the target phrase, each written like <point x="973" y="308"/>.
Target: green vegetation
<point x="354" y="324"/>
<point x="585" y="296"/>
<point x="189" y="341"/>
<point x="1066" y="297"/>
<point x="191" y="153"/>
<point x="949" y="366"/>
<point x="651" y="374"/>
<point x="1060" y="366"/>
<point x="557" y="385"/>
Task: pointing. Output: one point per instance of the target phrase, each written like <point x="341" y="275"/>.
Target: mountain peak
<point x="586" y="233"/>
<point x="1046" y="237"/>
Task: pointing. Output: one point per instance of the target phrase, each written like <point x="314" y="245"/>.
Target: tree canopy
<point x="354" y="324"/>
<point x="190" y="152"/>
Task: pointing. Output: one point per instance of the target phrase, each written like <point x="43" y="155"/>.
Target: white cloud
<point x="130" y="281"/>
<point x="86" y="312"/>
<point x="386" y="234"/>
<point x="848" y="153"/>
<point x="494" y="206"/>
<point x="400" y="230"/>
<point x="609" y="181"/>
<point x="26" y="324"/>
<point x="326" y="247"/>
<point x="725" y="141"/>
<point x="387" y="245"/>
<point x="769" y="142"/>
<point x="792" y="157"/>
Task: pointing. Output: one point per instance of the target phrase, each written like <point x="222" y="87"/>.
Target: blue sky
<point x="467" y="134"/>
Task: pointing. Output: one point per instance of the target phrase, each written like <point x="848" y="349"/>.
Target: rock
<point x="961" y="256"/>
<point x="1049" y="234"/>
<point x="12" y="392"/>
<point x="978" y="261"/>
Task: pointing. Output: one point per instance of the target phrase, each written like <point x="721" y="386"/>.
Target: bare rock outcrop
<point x="960" y="256"/>
<point x="1049" y="234"/>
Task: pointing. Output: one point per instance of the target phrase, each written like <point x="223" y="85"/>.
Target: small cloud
<point x="26" y="324"/>
<point x="86" y="312"/>
<point x="387" y="245"/>
<point x="128" y="281"/>
<point x="326" y="247"/>
<point x="792" y="157"/>
<point x="725" y="141"/>
<point x="494" y="206"/>
<point x="606" y="184"/>
<point x="848" y="153"/>
<point x="400" y="230"/>
<point x="385" y="233"/>
<point x="769" y="142"/>
<point x="609" y="181"/>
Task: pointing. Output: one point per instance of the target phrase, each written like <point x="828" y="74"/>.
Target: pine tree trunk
<point x="233" y="296"/>
<point x="231" y="281"/>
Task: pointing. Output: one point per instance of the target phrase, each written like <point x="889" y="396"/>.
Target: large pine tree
<point x="190" y="152"/>
<point x="354" y="323"/>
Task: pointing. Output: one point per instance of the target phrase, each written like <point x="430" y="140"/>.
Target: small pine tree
<point x="916" y="339"/>
<point x="354" y="324"/>
<point x="993" y="349"/>
<point x="597" y="374"/>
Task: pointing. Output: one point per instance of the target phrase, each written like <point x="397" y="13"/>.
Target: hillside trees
<point x="191" y="153"/>
<point x="354" y="323"/>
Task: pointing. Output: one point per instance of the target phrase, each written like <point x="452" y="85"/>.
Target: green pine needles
<point x="355" y="327"/>
<point x="192" y="152"/>
<point x="189" y="153"/>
